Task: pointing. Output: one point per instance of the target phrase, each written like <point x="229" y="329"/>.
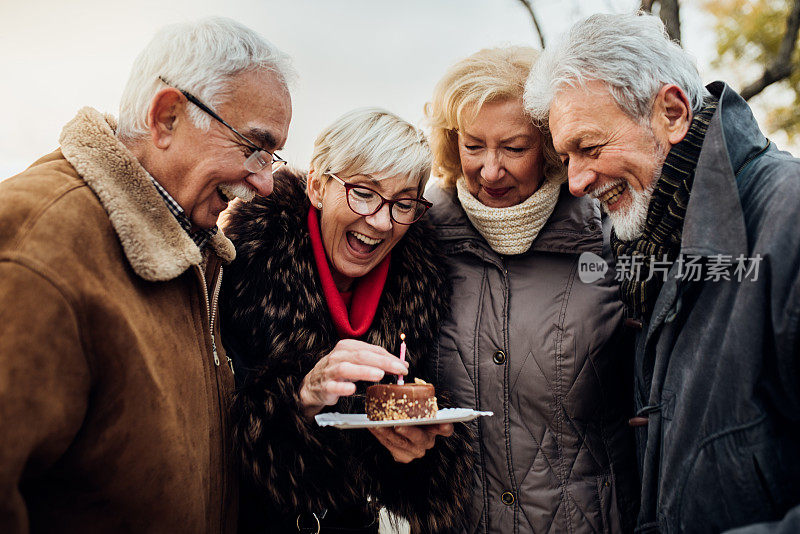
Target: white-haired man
<point x="114" y="387"/>
<point x="699" y="200"/>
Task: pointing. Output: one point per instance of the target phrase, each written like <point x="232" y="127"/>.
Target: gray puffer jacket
<point x="531" y="342"/>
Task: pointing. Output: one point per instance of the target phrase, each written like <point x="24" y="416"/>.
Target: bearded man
<point x="707" y="208"/>
<point x="114" y="387"/>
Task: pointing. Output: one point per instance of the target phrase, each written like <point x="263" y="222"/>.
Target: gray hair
<point x="202" y="58"/>
<point x="372" y="141"/>
<point x="631" y="53"/>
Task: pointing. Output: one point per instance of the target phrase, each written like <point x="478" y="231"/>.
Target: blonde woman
<point x="528" y="338"/>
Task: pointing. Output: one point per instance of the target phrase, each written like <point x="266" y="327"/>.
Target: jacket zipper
<point x="212" y="312"/>
<point x="212" y="316"/>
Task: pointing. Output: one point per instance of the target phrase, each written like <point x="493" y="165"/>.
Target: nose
<point x="381" y="220"/>
<point x="581" y="178"/>
<point x="492" y="168"/>
<point x="261" y="181"/>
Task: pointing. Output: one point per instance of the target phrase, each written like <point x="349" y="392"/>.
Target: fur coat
<point x="277" y="325"/>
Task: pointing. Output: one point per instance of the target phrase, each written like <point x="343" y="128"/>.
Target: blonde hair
<point x="374" y="142"/>
<point x="489" y="75"/>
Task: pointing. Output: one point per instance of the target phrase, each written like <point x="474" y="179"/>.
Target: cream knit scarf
<point x="510" y="230"/>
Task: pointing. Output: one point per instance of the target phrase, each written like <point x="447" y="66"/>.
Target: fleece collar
<point x="156" y="246"/>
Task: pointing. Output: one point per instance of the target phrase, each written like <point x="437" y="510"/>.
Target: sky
<point x="59" y="56"/>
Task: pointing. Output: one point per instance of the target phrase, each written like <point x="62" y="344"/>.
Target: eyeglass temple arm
<point x="191" y="98"/>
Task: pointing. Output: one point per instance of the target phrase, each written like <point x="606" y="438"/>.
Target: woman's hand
<point x="336" y="373"/>
<point x="408" y="443"/>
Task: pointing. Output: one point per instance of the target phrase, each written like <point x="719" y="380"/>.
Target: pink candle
<point x="402" y="356"/>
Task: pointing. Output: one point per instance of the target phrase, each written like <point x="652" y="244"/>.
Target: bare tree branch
<point x="782" y="67"/>
<point x="669" y="13"/>
<point x="529" y="6"/>
<point x="670" y="16"/>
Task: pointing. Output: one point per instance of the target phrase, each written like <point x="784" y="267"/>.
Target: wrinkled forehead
<point x="260" y="103"/>
<point x="577" y="108"/>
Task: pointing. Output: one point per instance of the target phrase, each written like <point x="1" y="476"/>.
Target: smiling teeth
<point x="366" y="239"/>
<point x="610" y="195"/>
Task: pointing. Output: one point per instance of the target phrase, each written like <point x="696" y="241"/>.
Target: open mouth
<point x="362" y="244"/>
<point x="610" y="195"/>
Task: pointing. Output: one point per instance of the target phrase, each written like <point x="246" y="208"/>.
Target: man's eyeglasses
<point x="365" y="201"/>
<point x="255" y="162"/>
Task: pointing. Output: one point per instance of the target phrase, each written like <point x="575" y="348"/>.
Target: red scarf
<point x="366" y="291"/>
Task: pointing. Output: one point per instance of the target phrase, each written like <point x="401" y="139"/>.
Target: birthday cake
<point x="386" y="402"/>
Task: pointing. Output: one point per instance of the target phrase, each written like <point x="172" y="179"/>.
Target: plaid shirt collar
<point x="202" y="236"/>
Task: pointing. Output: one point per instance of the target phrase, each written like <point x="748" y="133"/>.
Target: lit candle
<point x="402" y="356"/>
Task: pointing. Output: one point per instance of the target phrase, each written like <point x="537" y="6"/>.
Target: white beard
<point x="237" y="190"/>
<point x="629" y="222"/>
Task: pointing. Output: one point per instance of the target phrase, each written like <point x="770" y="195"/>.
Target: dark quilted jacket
<point x="532" y="343"/>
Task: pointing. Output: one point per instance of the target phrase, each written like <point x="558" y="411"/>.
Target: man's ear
<point x="165" y="109"/>
<point x="672" y="114"/>
<point x="315" y="187"/>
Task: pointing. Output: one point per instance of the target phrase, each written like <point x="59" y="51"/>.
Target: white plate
<point x="359" y="420"/>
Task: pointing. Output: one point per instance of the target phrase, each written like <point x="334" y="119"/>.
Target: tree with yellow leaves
<point x="762" y="34"/>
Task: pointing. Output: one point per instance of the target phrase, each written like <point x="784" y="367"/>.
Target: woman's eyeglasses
<point x="365" y="201"/>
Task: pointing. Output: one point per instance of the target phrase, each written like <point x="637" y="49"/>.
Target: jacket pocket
<point x="728" y="483"/>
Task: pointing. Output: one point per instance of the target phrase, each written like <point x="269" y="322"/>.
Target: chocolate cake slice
<point x="386" y="402"/>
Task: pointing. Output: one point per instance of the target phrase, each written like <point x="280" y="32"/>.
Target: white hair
<point x="202" y="58"/>
<point x="372" y="141"/>
<point x="630" y="53"/>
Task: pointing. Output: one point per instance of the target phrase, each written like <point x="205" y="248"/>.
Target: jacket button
<point x="508" y="498"/>
<point x="499" y="357"/>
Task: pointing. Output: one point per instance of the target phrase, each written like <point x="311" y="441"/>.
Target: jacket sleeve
<point x="789" y="525"/>
<point x="432" y="492"/>
<point x="44" y="383"/>
<point x="287" y="458"/>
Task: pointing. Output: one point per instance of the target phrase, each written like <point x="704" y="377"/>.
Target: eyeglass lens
<point x="366" y="202"/>
<point x="256" y="162"/>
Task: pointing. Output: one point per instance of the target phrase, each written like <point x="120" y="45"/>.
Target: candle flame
<point x="402" y="336"/>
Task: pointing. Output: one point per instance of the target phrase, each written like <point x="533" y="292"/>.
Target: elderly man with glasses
<point x="114" y="386"/>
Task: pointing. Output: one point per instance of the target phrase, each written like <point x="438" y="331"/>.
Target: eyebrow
<point x="575" y="139"/>
<point x="377" y="183"/>
<point x="506" y="140"/>
<point x="262" y="138"/>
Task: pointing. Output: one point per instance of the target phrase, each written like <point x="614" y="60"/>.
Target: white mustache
<point x="237" y="190"/>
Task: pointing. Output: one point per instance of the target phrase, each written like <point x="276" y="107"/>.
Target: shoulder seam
<point x="30" y="221"/>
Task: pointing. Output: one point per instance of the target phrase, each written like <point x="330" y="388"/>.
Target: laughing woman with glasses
<point x="331" y="268"/>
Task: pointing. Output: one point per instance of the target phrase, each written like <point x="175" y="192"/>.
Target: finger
<point x="387" y="364"/>
<point x="397" y="445"/>
<point x="328" y="392"/>
<point x="418" y="436"/>
<point x="346" y="371"/>
<point x="357" y="345"/>
<point x="362" y="348"/>
<point x="443" y="429"/>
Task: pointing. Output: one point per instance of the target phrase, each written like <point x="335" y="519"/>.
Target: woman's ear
<point x="315" y="188"/>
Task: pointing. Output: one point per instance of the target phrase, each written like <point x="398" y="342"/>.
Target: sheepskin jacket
<point x="114" y="411"/>
<point x="277" y="325"/>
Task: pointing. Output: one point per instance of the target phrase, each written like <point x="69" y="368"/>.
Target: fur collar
<point x="156" y="246"/>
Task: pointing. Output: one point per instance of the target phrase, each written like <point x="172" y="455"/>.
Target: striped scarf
<point x="663" y="229"/>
